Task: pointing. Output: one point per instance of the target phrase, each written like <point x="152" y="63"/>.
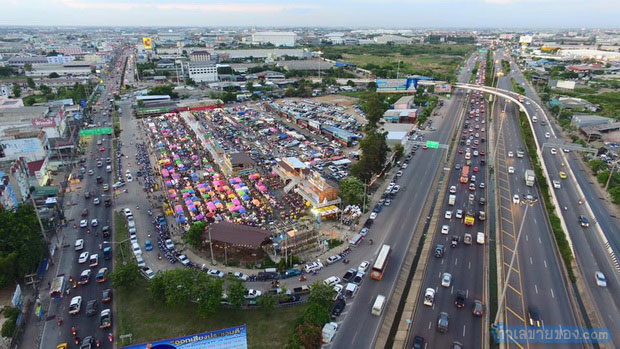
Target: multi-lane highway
<point x="465" y="262"/>
<point x="395" y="226"/>
<point x="591" y="254"/>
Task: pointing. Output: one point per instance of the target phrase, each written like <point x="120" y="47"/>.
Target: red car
<point x="102" y="149"/>
<point x="482" y="152"/>
<point x="460" y="151"/>
<point x="476" y="169"/>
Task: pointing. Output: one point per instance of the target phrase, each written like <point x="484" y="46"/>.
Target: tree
<point x="316" y="314"/>
<point x="267" y="302"/>
<point x="164" y="90"/>
<point x="398" y="151"/>
<point x="597" y="165"/>
<point x="6" y="71"/>
<point x="54" y="75"/>
<point x="236" y="294"/>
<point x="9" y="326"/>
<point x="124" y="275"/>
<point x="17" y="90"/>
<point x="374" y="153"/>
<point x="210" y="296"/>
<point x="28" y="67"/>
<point x="194" y="235"/>
<point x="372" y="86"/>
<point x="309" y="335"/>
<point x="350" y="83"/>
<point x="30" y="83"/>
<point x="190" y="82"/>
<point x="321" y="294"/>
<point x="374" y="109"/>
<point x="250" y="86"/>
<point x="351" y="191"/>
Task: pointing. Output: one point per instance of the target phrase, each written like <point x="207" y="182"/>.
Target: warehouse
<point x="274" y="38"/>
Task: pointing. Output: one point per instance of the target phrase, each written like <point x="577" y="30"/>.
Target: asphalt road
<point x="465" y="262"/>
<point x="590" y="252"/>
<point x="68" y="264"/>
<point x="395" y="226"/>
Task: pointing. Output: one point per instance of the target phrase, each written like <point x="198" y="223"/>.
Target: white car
<point x="94" y="222"/>
<point x="556" y="184"/>
<point x="129" y="178"/>
<point x="83" y="223"/>
<point x="127" y="212"/>
<point x="459" y="214"/>
<point x="332" y="281"/>
<point x="511" y="169"/>
<point x="399" y="173"/>
<point x="75" y="305"/>
<point x="148" y="272"/>
<point x="79" y="244"/>
<point x="83" y="257"/>
<point x="183" y="259"/>
<point x="547" y="135"/>
<point x="93" y="261"/>
<point x="516" y="199"/>
<point x="252" y="293"/>
<point x="373" y="215"/>
<point x="216" y="273"/>
<point x="96" y="201"/>
<point x="338" y="290"/>
<point x="511" y="154"/>
<point x="448" y="215"/>
<point x="363" y="266"/>
<point x="480" y="238"/>
<point x="241" y="276"/>
<point x="453" y="189"/>
<point x="446" y="279"/>
<point x="404" y="165"/>
<point x="333" y="259"/>
<point x="553" y="151"/>
<point x="445" y="229"/>
<point x="475" y="153"/>
<point x="600" y="279"/>
<point x="169" y="244"/>
<point x="481" y="185"/>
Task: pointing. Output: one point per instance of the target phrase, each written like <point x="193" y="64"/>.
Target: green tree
<point x="6" y="71"/>
<point x="30" y="83"/>
<point x="210" y="296"/>
<point x="124" y="275"/>
<point x="597" y="165"/>
<point x="28" y="67"/>
<point x="374" y="153"/>
<point x="351" y="191"/>
<point x="398" y="151"/>
<point x="236" y="294"/>
<point x="164" y="90"/>
<point x="309" y="335"/>
<point x="374" y="109"/>
<point x="321" y="294"/>
<point x="17" y="90"/>
<point x="9" y="326"/>
<point x="267" y="302"/>
<point x="350" y="83"/>
<point x="190" y="82"/>
<point x="54" y="75"/>
<point x="316" y="315"/>
<point x="250" y="86"/>
<point x="194" y="235"/>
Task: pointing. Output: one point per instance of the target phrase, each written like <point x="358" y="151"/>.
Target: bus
<point x="57" y="288"/>
<point x="381" y="263"/>
<point x="464" y="175"/>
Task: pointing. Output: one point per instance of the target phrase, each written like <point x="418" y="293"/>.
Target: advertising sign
<point x="148" y="43"/>
<point x="96" y="131"/>
<point x="43" y="122"/>
<point x="229" y="338"/>
<point x="397" y="85"/>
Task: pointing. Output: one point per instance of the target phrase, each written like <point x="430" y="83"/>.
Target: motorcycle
<point x="370" y="241"/>
<point x="302" y="278"/>
<point x="59" y="322"/>
<point x="345" y="261"/>
<point x="73" y="331"/>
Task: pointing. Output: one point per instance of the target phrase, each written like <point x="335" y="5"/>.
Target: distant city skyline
<point x="344" y="13"/>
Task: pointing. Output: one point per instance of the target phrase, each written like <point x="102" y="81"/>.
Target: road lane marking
<point x="526" y="238"/>
<point x="430" y="324"/>
<point x="536" y="288"/>
<point x="540" y="241"/>
<point x="515" y="314"/>
<point x="545" y="261"/>
<point x="469" y="265"/>
<point x="456" y="261"/>
<point x="531" y="261"/>
<point x="464" y="330"/>
<point x="513" y="268"/>
<point x="552" y="295"/>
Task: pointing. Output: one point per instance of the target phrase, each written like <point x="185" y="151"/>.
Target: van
<point x="356" y="239"/>
<point x="351" y="290"/>
<point x="108" y="168"/>
<point x="377" y="307"/>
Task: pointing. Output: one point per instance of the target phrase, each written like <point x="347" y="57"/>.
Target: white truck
<point x="451" y="200"/>
<point x="529" y="178"/>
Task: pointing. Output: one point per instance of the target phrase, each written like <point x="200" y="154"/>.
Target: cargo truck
<point x="529" y="178"/>
<point x="451" y="200"/>
<point x="469" y="219"/>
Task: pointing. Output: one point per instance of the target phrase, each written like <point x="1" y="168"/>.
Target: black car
<point x="583" y="221"/>
<point x="459" y="301"/>
<point x="418" y="342"/>
<point x="106" y="295"/>
<point x="534" y="318"/>
<point x="99" y="179"/>
<point x="91" y="307"/>
<point x="338" y="307"/>
<point x="289" y="299"/>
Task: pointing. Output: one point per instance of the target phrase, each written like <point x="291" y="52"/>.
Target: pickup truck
<point x="105" y="319"/>
<point x="348" y="276"/>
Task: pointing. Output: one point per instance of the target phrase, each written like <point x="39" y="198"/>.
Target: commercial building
<point x="69" y="69"/>
<point x="237" y="164"/>
<point x="200" y="71"/>
<point x="200" y="56"/>
<point x="274" y="53"/>
<point x="404" y="102"/>
<point x="400" y="115"/>
<point x="396" y="39"/>
<point x="21" y="61"/>
<point x="14" y="183"/>
<point x="306" y="65"/>
<point x="585" y="120"/>
<point x="236" y="242"/>
<point x="274" y="38"/>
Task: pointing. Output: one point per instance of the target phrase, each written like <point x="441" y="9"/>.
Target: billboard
<point x="148" y="43"/>
<point x="233" y="338"/>
<point x="397" y="85"/>
<point x="96" y="131"/>
<point x="43" y="122"/>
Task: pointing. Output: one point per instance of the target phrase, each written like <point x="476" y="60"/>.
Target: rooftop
<point x="239" y="235"/>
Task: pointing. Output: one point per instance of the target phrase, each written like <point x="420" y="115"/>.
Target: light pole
<point x="610" y="174"/>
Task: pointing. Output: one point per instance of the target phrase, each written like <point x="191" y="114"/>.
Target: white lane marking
<point x="526" y="238"/>
<point x="456" y="261"/>
<point x="552" y="295"/>
<point x="536" y="288"/>
<point x="463" y="330"/>
<point x="545" y="261"/>
<point x="430" y="324"/>
<point x="531" y="261"/>
<point x="534" y="220"/>
<point x="539" y="241"/>
<point x="469" y="265"/>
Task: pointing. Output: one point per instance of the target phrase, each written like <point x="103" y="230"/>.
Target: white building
<point x="72" y="69"/>
<point x="201" y="71"/>
<point x="275" y="38"/>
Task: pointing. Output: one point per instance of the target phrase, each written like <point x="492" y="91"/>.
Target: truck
<point x="529" y="178"/>
<point x="469" y="219"/>
<point x="451" y="200"/>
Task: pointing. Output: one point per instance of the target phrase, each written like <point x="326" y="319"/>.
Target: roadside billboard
<point x="43" y="122"/>
<point x="233" y="338"/>
<point x="397" y="85"/>
<point x="148" y="43"/>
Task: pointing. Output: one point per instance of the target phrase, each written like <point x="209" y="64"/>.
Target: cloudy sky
<point x="357" y="13"/>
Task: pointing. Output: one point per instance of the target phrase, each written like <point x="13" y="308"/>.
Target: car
<point x="476" y="169"/>
<point x="388" y="202"/>
<point x="473" y="178"/>
<point x="395" y="189"/>
<point x="135" y="248"/>
<point x="478" y="308"/>
<point x="448" y="215"/>
<point x="241" y="276"/>
<point x="516" y="199"/>
<point x="566" y="150"/>
<point x="148" y="245"/>
<point x="583" y="221"/>
<point x="481" y="185"/>
<point x="442" y="322"/>
<point x="363" y="267"/>
<point x="472" y="186"/>
<point x="79" y="244"/>
<point x="252" y="293"/>
<point x="404" y="165"/>
<point x="338" y="307"/>
<point x="83" y="223"/>
<point x="105" y="318"/>
<point x="332" y="281"/>
<point x="457" y="166"/>
<point x="459" y="300"/>
<point x="418" y="342"/>
<point x="553" y="151"/>
<point x="480" y="238"/>
<point x="511" y="169"/>
<point x="129" y="178"/>
<point x="75" y="305"/>
<point x="106" y="295"/>
<point x="439" y="250"/>
<point x="83" y="257"/>
<point x="373" y="215"/>
<point x="534" y="318"/>
<point x="459" y="214"/>
<point x="85" y="212"/>
<point x="445" y="229"/>
<point x="467" y="239"/>
<point x="600" y="279"/>
<point x="215" y="273"/>
<point x="562" y="175"/>
<point x="446" y="279"/>
<point x="93" y="261"/>
<point x="169" y="244"/>
<point x="399" y="173"/>
<point x="85" y="277"/>
<point x="547" y="135"/>
<point x="475" y="153"/>
<point x="358" y="278"/>
<point x="96" y="201"/>
<point x="91" y="307"/>
<point x="94" y="222"/>
<point x="338" y="291"/>
<point x="91" y="172"/>
<point x="127" y="212"/>
<point x="147" y="272"/>
<point x="106" y="187"/>
<point x="511" y="154"/>
<point x="453" y="189"/>
<point x="183" y="259"/>
<point x="364" y="231"/>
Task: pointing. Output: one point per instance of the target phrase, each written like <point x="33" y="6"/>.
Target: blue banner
<point x="234" y="338"/>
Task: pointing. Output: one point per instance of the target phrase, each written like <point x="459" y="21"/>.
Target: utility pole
<point x="610" y="175"/>
<point x="211" y="248"/>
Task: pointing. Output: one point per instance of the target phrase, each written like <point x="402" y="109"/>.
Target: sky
<point x="526" y="14"/>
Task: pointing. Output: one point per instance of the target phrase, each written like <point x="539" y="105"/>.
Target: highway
<point x="537" y="280"/>
<point x="68" y="264"/>
<point x="591" y="255"/>
<point x="395" y="226"/>
<point x="465" y="263"/>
